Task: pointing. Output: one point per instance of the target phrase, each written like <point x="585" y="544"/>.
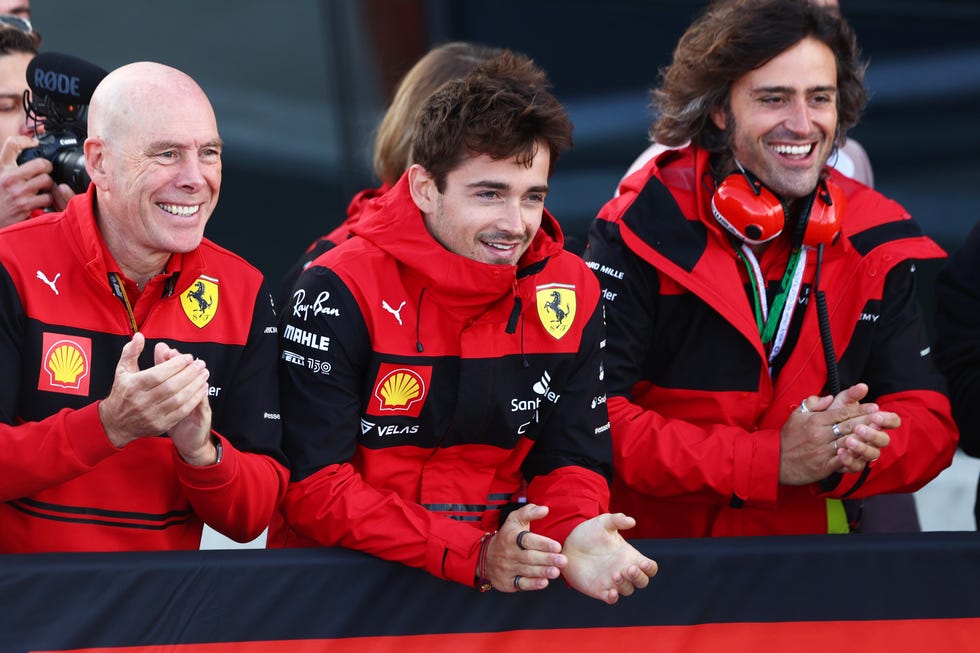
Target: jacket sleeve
<point x="40" y="454"/>
<point x="570" y="465"/>
<point x="958" y="337"/>
<point x="322" y="368"/>
<point x="653" y="453"/>
<point x="903" y="379"/>
<point x="238" y="496"/>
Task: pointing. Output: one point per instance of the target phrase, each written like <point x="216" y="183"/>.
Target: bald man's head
<point x="135" y="92"/>
<point x="154" y="155"/>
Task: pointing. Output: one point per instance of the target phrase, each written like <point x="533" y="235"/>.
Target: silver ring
<point x="803" y="409"/>
<point x="835" y="446"/>
<point x="517" y="583"/>
<point x="836" y="429"/>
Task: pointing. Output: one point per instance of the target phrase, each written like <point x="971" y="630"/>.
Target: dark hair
<point x="393" y="142"/>
<point x="733" y="37"/>
<point x="503" y="108"/>
<point x="13" y="40"/>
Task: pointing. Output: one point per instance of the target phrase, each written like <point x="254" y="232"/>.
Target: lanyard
<point x="774" y="330"/>
<point x="120" y="292"/>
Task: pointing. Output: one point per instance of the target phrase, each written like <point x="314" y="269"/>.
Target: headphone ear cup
<point x="823" y="226"/>
<point x="754" y="215"/>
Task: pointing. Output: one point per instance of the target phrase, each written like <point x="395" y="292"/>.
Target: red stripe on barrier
<point x="907" y="636"/>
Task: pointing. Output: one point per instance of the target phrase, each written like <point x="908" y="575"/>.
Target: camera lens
<point x="69" y="168"/>
<point x="64" y="150"/>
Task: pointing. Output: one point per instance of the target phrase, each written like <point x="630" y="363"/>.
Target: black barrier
<point x="819" y="593"/>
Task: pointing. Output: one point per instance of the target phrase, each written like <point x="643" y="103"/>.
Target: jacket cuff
<point x="87" y="435"/>
<point x="208" y="477"/>
<point x="755" y="476"/>
<point x="453" y="555"/>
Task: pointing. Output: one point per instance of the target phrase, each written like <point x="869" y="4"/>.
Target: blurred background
<point x="299" y="86"/>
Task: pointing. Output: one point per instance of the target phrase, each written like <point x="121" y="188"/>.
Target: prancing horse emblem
<point x="556" y="307"/>
<point x="200" y="302"/>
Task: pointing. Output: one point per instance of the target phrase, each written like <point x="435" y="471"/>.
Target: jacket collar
<point x="83" y="229"/>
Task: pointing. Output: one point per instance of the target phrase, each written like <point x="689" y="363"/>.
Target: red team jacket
<point x="695" y="413"/>
<point x="63" y="323"/>
<point x="425" y="394"/>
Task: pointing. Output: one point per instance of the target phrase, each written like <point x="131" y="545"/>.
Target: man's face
<point x="784" y="117"/>
<point x="490" y="210"/>
<point x="13" y="83"/>
<point x="20" y="8"/>
<point x="163" y="174"/>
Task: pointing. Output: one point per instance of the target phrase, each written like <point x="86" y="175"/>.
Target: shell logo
<point x="65" y="364"/>
<point x="399" y="389"/>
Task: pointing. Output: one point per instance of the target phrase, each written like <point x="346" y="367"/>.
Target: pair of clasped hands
<point x="170" y="397"/>
<point x="833" y="434"/>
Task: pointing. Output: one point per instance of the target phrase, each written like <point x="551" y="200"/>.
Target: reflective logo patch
<point x="65" y="364"/>
<point x="556" y="307"/>
<point x="200" y="302"/>
<point x="399" y="390"/>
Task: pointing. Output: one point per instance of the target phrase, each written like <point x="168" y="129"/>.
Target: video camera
<point x="61" y="88"/>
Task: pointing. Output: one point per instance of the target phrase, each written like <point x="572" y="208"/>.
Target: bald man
<point x="137" y="358"/>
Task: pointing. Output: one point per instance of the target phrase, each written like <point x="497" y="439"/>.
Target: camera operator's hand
<point x="26" y="188"/>
<point x="60" y="194"/>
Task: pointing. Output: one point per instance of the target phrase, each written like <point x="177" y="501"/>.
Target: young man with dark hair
<point x="441" y="375"/>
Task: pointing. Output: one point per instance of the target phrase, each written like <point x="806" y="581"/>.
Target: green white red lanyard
<point x="785" y="302"/>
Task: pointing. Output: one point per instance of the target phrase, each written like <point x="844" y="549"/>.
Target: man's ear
<point x="95" y="163"/>
<point x="423" y="188"/>
<point x="719" y="116"/>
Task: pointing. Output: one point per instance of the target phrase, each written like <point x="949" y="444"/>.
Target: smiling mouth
<point x="503" y="247"/>
<point x="793" y="150"/>
<point x="180" y="209"/>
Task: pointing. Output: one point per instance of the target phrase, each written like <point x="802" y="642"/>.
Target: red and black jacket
<point x="63" y="322"/>
<point x="695" y="413"/>
<point x="424" y="394"/>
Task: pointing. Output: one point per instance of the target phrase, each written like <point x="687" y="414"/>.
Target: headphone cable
<point x="823" y="320"/>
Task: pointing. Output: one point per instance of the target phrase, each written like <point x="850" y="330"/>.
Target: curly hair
<point x="733" y="37"/>
<point x="503" y="108"/>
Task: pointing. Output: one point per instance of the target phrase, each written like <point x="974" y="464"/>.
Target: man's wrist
<point x="212" y="454"/>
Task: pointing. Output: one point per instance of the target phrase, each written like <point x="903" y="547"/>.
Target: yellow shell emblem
<point x="200" y="301"/>
<point x="67" y="365"/>
<point x="400" y="389"/>
<point x="556" y="307"/>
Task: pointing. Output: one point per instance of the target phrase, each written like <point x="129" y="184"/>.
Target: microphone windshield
<point x="63" y="78"/>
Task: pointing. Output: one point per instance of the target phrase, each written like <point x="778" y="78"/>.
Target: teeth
<point x="180" y="210"/>
<point x="499" y="246"/>
<point x="798" y="150"/>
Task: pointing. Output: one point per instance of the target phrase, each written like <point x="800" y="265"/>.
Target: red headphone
<point x="753" y="213"/>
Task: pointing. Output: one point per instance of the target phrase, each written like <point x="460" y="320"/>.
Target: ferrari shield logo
<point x="556" y="307"/>
<point x="200" y="301"/>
